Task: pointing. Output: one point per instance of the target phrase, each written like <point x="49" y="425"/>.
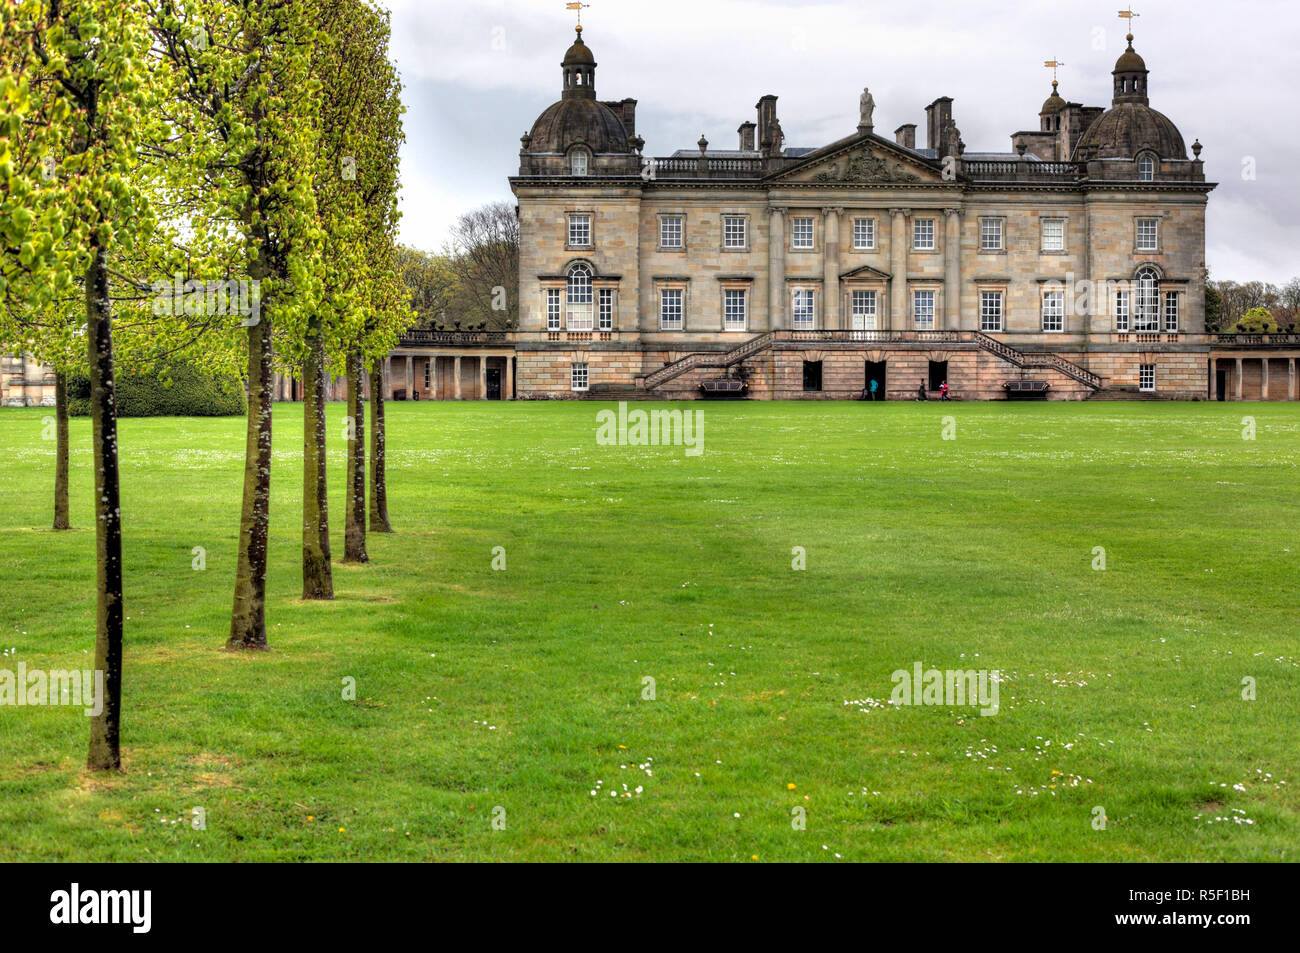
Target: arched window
<point x="578" y="161"/>
<point x="1146" y="305"/>
<point x="1146" y="168"/>
<point x="578" y="295"/>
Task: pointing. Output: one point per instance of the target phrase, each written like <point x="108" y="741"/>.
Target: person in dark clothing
<point x="920" y="391"/>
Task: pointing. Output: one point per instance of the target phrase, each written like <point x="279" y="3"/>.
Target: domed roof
<point x="579" y="54"/>
<point x="569" y="121"/>
<point x="1054" y="103"/>
<point x="1129" y="61"/>
<point x="1126" y="129"/>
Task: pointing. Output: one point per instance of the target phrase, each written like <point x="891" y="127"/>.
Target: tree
<point x="94" y="106"/>
<point x="486" y="265"/>
<point x="1257" y="321"/>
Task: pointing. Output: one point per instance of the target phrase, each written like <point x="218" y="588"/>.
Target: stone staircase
<point x="1039" y="359"/>
<point x="708" y="359"/>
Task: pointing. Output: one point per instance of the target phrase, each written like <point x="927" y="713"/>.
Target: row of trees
<point x="470" y="284"/>
<point x="1229" y="305"/>
<point x="249" y="147"/>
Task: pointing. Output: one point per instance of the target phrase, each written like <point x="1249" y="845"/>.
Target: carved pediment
<point x="863" y="163"/>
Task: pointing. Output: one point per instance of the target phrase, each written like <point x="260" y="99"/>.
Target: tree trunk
<point x="378" y="453"/>
<point x="317" y="577"/>
<point x="354" y="534"/>
<point x="105" y="753"/>
<point x="61" y="451"/>
<point x="248" y="620"/>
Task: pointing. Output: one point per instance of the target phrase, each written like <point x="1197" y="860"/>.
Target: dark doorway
<point x="938" y="374"/>
<point x="1221" y="385"/>
<point x="875" y="372"/>
<point x="812" y="375"/>
<point x="493" y="383"/>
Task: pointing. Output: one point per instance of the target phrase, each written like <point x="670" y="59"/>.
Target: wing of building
<point x="1070" y="265"/>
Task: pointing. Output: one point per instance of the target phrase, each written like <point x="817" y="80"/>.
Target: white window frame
<point x="864" y="309"/>
<point x="1171" y="312"/>
<point x="672" y="317"/>
<point x="1053" y="312"/>
<point x="1147" y="378"/>
<point x="803" y="309"/>
<point x="578" y="299"/>
<point x="1058" y="240"/>
<point x="803" y="227"/>
<point x="579" y="225"/>
<point x="731" y="226"/>
<point x="1146" y="169"/>
<point x="991" y="229"/>
<point x="729" y="319"/>
<point x="923" y="229"/>
<point x="579" y="162"/>
<point x="1148" y="234"/>
<point x="605" y="309"/>
<point x="923" y="315"/>
<point x="554" y="308"/>
<point x="666" y="227"/>
<point x="579" y="376"/>
<point x="1146" y="302"/>
<point x="1123" y="303"/>
<point x="864" y="234"/>
<point x="992" y="319"/>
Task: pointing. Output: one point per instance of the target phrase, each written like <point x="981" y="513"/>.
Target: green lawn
<point x="522" y="689"/>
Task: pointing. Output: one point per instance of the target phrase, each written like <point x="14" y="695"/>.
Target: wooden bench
<point x="1026" y="390"/>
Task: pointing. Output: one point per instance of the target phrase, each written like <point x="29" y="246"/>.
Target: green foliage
<point x="176" y="390"/>
<point x="1257" y="321"/>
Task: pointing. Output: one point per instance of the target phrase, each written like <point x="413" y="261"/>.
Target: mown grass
<point x="521" y="689"/>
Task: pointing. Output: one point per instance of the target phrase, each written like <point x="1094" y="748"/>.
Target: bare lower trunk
<point x="61" y="451"/>
<point x="317" y="577"/>
<point x="378" y="454"/>
<point x="354" y="534"/>
<point x="248" y="620"/>
<point x="105" y="752"/>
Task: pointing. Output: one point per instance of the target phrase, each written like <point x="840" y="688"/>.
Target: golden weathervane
<point x="579" y="7"/>
<point x="1052" y="65"/>
<point x="1129" y="15"/>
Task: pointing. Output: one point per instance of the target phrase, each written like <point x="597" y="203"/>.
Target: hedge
<point x="178" y="390"/>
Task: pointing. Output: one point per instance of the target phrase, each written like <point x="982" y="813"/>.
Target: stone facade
<point x="1076" y="260"/>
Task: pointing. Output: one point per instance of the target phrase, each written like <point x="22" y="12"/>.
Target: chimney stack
<point x="746" y="131"/>
<point x="905" y="135"/>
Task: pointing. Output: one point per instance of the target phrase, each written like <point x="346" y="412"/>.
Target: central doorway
<point x="875" y="372"/>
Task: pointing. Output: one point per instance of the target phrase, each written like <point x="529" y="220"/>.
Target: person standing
<point x="874" y="384"/>
<point x="920" y="391"/>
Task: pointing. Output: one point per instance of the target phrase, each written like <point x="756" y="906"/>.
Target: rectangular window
<point x="428" y="372"/>
<point x="864" y="311"/>
<point x="580" y="231"/>
<point x="990" y="310"/>
<point x="990" y="234"/>
<point x="605" y="315"/>
<point x="1121" y="311"/>
<point x="670" y="231"/>
<point x="670" y="309"/>
<point x="552" y="309"/>
<point x="804" y="309"/>
<point x="1053" y="310"/>
<point x="923" y="310"/>
<point x="1147" y="377"/>
<point x="801" y="233"/>
<point x="1148" y="235"/>
<point x="734" y="309"/>
<point x="578" y="162"/>
<point x="864" y="233"/>
<point x="733" y="231"/>
<point x="1171" y="311"/>
<point x="1053" y="234"/>
<point x="923" y="234"/>
<point x="578" y="376"/>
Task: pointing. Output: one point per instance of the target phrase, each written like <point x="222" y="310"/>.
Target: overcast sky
<point x="479" y="72"/>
